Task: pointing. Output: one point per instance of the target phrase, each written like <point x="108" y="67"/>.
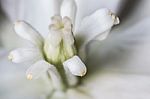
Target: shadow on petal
<point x="119" y="50"/>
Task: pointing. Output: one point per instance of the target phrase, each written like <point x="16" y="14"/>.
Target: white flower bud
<point x="76" y="66"/>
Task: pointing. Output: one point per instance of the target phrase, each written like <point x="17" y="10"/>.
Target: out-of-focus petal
<point x="68" y="8"/>
<point x="78" y="94"/>
<point x="27" y="32"/>
<point x="75" y="66"/>
<point x="25" y="54"/>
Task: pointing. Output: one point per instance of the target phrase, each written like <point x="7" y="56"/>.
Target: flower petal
<point x="37" y="69"/>
<point x="24" y="54"/>
<point x="75" y="66"/>
<point x="97" y="23"/>
<point x="55" y="5"/>
<point x="103" y="35"/>
<point x="42" y="66"/>
<point x="68" y="8"/>
<point x="27" y="32"/>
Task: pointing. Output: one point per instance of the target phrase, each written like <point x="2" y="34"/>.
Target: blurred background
<point x="118" y="67"/>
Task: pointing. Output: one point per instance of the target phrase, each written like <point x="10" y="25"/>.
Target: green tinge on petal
<point x="59" y="45"/>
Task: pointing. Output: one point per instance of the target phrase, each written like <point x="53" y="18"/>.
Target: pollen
<point x="83" y="73"/>
<point x="29" y="76"/>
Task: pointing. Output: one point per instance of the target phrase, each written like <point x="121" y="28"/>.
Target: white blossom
<point x="57" y="54"/>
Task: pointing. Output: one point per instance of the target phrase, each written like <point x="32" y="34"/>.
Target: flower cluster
<point x="57" y="54"/>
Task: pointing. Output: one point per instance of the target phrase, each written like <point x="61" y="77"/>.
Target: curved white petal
<point x="68" y="8"/>
<point x="27" y="32"/>
<point x="97" y="23"/>
<point x="42" y="66"/>
<point x="25" y="54"/>
<point x="38" y="68"/>
<point x="75" y="66"/>
<point x="83" y="49"/>
<point x="103" y="35"/>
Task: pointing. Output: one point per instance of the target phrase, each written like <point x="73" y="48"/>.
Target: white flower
<point x="57" y="54"/>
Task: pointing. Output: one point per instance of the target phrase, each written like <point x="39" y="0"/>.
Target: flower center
<point x="61" y="26"/>
<point x="59" y="45"/>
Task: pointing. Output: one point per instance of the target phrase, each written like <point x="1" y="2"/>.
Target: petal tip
<point x="76" y="66"/>
<point x="84" y="72"/>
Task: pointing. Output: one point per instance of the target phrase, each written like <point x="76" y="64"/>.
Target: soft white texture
<point x="69" y="8"/>
<point x="24" y="54"/>
<point x="37" y="69"/>
<point x="75" y="66"/>
<point x="41" y="67"/>
<point x="96" y="23"/>
<point x="26" y="31"/>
